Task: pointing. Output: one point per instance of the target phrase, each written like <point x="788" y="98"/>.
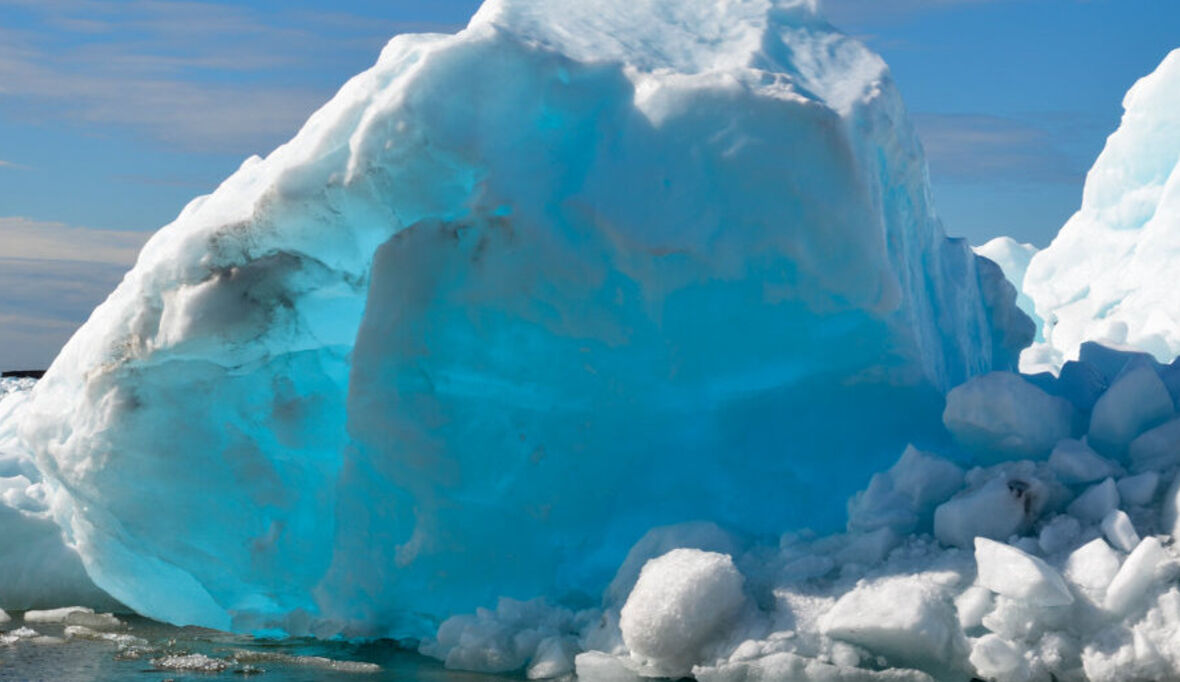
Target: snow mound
<point x="1108" y="274"/>
<point x="384" y="375"/>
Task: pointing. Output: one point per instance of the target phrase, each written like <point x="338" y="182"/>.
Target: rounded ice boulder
<point x="681" y="601"/>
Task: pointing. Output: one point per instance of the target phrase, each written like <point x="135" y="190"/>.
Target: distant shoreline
<point x="23" y="374"/>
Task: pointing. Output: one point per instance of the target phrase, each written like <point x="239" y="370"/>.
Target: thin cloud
<point x="197" y="75"/>
<point x="10" y="164"/>
<point x="51" y="277"/>
<point x="971" y="147"/>
<point x="28" y="239"/>
<point x="841" y="12"/>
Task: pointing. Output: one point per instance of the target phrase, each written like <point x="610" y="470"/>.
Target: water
<point x="152" y="651"/>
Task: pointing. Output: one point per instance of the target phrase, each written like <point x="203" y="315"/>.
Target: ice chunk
<point x="1135" y="402"/>
<point x="199" y="663"/>
<point x="17" y="635"/>
<point x="1058" y="534"/>
<point x="649" y="236"/>
<point x="1096" y="502"/>
<point x="55" y="615"/>
<point x="995" y="657"/>
<point x="1012" y="573"/>
<point x="1157" y="449"/>
<point x="1075" y="462"/>
<point x="1013" y="258"/>
<point x="1093" y="565"/>
<point x="1136" y="576"/>
<point x="1002" y="416"/>
<point x="1081" y="383"/>
<point x="1139" y="490"/>
<point x="681" y="601"/>
<point x="1170" y="511"/>
<point x="785" y="665"/>
<point x="596" y="666"/>
<point x="554" y="658"/>
<point x="972" y="605"/>
<point x="903" y="497"/>
<point x="997" y="509"/>
<point x="904" y="618"/>
<point x="1120" y="531"/>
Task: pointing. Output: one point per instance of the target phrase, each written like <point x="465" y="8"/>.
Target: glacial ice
<point x="1108" y="275"/>
<point x="682" y="252"/>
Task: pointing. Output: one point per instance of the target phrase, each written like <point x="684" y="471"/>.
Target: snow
<point x="1108" y="274"/>
<point x="670" y="250"/>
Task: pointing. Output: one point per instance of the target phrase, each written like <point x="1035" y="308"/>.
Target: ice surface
<point x="1002" y="414"/>
<point x="1108" y="274"/>
<point x="684" y="252"/>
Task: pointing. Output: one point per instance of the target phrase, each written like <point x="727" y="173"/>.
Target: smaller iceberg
<point x="1109" y="275"/>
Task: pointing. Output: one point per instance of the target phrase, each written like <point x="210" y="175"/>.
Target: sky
<point x="115" y="113"/>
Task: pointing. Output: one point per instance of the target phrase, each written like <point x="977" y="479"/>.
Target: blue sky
<point x="115" y="113"/>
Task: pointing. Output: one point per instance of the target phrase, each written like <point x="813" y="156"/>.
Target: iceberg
<point x="1107" y="276"/>
<point x="512" y="298"/>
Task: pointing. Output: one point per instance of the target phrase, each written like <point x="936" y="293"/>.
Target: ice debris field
<point x="550" y="378"/>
